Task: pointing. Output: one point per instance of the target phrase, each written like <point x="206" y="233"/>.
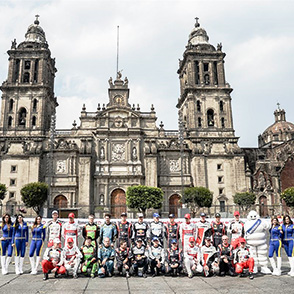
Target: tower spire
<point x="117" y="50"/>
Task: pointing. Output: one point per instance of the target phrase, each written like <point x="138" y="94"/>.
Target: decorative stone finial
<point x="37" y="19"/>
<point x="161" y="125"/>
<point x="152" y="107"/>
<point x="99" y="107"/>
<point x="197" y="24"/>
<point x="74" y="124"/>
<point x="84" y="107"/>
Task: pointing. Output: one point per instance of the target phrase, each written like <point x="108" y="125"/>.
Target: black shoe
<point x="144" y="275"/>
<point x="45" y="277"/>
<point x="153" y="275"/>
<point x="251" y="276"/>
<point x="222" y="274"/>
<point x="127" y="275"/>
<point x="55" y="275"/>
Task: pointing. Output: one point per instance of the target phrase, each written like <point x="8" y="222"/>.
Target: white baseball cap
<point x="54" y="211"/>
<point x="56" y="240"/>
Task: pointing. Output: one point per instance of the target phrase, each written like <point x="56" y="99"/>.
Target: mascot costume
<point x="255" y="234"/>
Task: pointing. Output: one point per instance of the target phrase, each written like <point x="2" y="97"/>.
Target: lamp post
<point x="181" y="141"/>
<point x="50" y="159"/>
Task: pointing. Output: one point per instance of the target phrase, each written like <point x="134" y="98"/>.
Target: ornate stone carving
<point x="61" y="167"/>
<point x="134" y="153"/>
<point x="102" y="153"/>
<point x="118" y="122"/>
<point x="118" y="152"/>
<point x="174" y="165"/>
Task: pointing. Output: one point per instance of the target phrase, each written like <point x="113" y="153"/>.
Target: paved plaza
<point x="27" y="283"/>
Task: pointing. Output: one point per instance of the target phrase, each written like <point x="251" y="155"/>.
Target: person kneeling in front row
<point x="106" y="255"/>
<point x="174" y="259"/>
<point x="53" y="260"/>
<point x="242" y="259"/>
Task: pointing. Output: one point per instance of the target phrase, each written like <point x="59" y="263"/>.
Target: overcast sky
<point x="257" y="36"/>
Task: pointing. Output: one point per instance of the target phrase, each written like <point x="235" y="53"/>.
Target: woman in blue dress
<point x="275" y="245"/>
<point x="38" y="237"/>
<point x="7" y="229"/>
<point x="288" y="240"/>
<point x="20" y="242"/>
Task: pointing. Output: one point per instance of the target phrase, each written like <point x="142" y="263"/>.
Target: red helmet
<point x="242" y="240"/>
<point x="70" y="240"/>
<point x="187" y="215"/>
<point x="71" y="215"/>
<point x="236" y="213"/>
<point x="191" y="239"/>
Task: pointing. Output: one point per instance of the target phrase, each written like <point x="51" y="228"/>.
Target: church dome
<point x="279" y="132"/>
<point x="198" y="35"/>
<point x="35" y="33"/>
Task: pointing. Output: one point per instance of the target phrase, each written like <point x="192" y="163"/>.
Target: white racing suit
<point x="72" y="257"/>
<point x="53" y="231"/>
<point x="191" y="259"/>
<point x="70" y="230"/>
<point x="209" y="257"/>
<point x="187" y="231"/>
<point x="203" y="230"/>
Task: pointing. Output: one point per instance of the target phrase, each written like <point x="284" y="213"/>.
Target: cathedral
<point x="90" y="166"/>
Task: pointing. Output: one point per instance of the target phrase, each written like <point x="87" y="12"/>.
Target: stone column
<point x="201" y="72"/>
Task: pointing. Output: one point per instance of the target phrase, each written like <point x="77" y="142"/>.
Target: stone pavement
<point x="27" y="283"/>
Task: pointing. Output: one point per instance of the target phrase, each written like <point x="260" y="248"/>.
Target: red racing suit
<point x="243" y="260"/>
<point x="51" y="255"/>
<point x="187" y="230"/>
<point x="70" y="230"/>
<point x="203" y="230"/>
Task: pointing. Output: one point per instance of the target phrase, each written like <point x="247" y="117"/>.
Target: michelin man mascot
<point x="255" y="234"/>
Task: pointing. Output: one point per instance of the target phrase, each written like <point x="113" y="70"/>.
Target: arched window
<point x="35" y="104"/>
<point x="199" y="122"/>
<point x="10" y="121"/>
<point x="223" y="122"/>
<point x="206" y="79"/>
<point x="34" y="121"/>
<point x="198" y="106"/>
<point x="26" y="77"/>
<point x="221" y="106"/>
<point x="22" y="114"/>
<point x="210" y="117"/>
<point x="11" y="102"/>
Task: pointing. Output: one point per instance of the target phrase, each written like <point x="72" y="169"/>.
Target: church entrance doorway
<point x="174" y="204"/>
<point x="263" y="210"/>
<point x="118" y="203"/>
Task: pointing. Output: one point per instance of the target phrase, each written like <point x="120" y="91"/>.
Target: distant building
<point x="90" y="166"/>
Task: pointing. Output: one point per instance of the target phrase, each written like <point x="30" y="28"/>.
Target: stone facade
<point x="90" y="166"/>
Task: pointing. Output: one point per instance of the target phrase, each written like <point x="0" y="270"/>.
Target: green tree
<point x="3" y="191"/>
<point x="245" y="200"/>
<point x="143" y="197"/>
<point x="288" y="196"/>
<point x="197" y="197"/>
<point x="34" y="195"/>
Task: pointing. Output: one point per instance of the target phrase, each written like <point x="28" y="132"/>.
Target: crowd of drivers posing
<point x="130" y="248"/>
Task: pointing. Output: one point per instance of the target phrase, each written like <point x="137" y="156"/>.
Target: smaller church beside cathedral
<point x="89" y="166"/>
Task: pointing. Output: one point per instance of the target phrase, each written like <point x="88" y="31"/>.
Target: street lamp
<point x="181" y="141"/>
<point x="50" y="158"/>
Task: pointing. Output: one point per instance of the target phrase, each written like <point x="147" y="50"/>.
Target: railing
<point x="99" y="211"/>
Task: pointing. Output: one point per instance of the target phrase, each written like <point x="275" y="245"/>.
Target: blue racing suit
<point x="108" y="230"/>
<point x="6" y="244"/>
<point x="38" y="237"/>
<point x="288" y="239"/>
<point x="275" y="242"/>
<point x="20" y="238"/>
<point x="107" y="253"/>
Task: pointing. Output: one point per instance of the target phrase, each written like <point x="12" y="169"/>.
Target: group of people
<point x="141" y="247"/>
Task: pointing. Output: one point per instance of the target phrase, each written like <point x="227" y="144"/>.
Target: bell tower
<point x="205" y="101"/>
<point x="28" y="100"/>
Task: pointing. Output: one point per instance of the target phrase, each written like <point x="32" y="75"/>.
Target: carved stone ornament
<point x="118" y="122"/>
<point x="174" y="165"/>
<point x="61" y="166"/>
<point x="118" y="152"/>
